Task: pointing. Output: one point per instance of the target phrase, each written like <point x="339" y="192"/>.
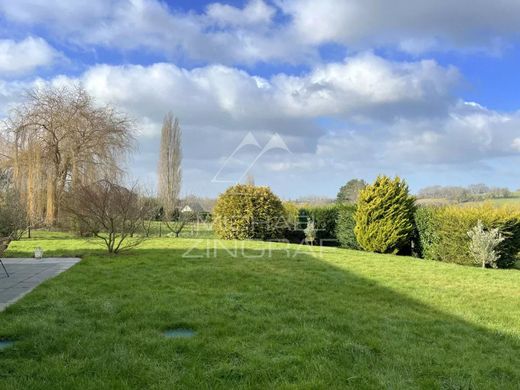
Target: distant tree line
<point x="464" y="194"/>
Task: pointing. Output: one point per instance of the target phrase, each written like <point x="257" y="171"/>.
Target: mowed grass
<point x="265" y="315"/>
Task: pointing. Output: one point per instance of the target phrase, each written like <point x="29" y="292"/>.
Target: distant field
<point x="513" y="200"/>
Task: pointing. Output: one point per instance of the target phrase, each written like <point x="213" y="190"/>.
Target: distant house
<point x="192" y="207"/>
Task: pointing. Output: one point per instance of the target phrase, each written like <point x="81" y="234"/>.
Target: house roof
<point x="194" y="206"/>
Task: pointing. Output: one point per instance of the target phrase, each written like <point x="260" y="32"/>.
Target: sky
<point x="302" y="95"/>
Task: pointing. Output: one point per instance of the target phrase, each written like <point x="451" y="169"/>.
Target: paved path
<point x="26" y="274"/>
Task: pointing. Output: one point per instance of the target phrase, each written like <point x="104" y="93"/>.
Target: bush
<point x="345" y="225"/>
<point x="248" y="212"/>
<point x="13" y="214"/>
<point x="310" y="232"/>
<point x="109" y="212"/>
<point x="453" y="222"/>
<point x="384" y="217"/>
<point x="426" y="231"/>
<point x="483" y="245"/>
<point x="325" y="218"/>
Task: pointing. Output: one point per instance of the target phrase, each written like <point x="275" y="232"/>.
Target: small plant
<point x="310" y="232"/>
<point x="324" y="218"/>
<point x="483" y="245"/>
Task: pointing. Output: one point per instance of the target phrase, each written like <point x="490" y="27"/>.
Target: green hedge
<point x="345" y="227"/>
<point x="443" y="232"/>
<point x="295" y="224"/>
<point x="325" y="218"/>
<point x="426" y="231"/>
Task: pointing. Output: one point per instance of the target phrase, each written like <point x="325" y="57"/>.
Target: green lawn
<point x="283" y="319"/>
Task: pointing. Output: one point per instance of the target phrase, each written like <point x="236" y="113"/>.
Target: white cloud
<point x="467" y="134"/>
<point x="18" y="57"/>
<point x="253" y="33"/>
<point x="222" y="34"/>
<point x="367" y="84"/>
<point x="414" y="25"/>
<point x="255" y="12"/>
<point x="361" y="87"/>
<point x="516" y="144"/>
<point x="361" y="116"/>
<point x="395" y="113"/>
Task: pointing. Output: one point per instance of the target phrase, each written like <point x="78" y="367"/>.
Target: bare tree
<point x="13" y="215"/>
<point x="58" y="138"/>
<point x="170" y="171"/>
<point x="179" y="220"/>
<point x="109" y="212"/>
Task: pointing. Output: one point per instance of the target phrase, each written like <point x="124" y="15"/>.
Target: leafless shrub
<point x="13" y="215"/>
<point x="179" y="220"/>
<point x="109" y="212"/>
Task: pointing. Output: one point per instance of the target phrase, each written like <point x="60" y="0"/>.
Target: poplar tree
<point x="170" y="170"/>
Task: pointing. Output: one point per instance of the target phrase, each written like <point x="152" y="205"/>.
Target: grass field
<point x="265" y="316"/>
<point x="514" y="200"/>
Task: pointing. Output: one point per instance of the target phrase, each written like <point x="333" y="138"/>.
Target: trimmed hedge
<point x="295" y="224"/>
<point x="325" y="218"/>
<point x="247" y="212"/>
<point x="452" y="223"/>
<point x="426" y="231"/>
<point x="345" y="225"/>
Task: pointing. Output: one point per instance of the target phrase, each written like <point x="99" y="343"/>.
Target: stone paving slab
<point x="26" y="274"/>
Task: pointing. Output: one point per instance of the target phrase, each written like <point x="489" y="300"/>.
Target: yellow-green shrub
<point x="246" y="212"/>
<point x="452" y="226"/>
<point x="384" y="216"/>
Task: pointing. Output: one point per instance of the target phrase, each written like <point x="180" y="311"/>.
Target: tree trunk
<point x="51" y="212"/>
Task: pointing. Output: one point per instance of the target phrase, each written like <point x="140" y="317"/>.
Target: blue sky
<point x="424" y="89"/>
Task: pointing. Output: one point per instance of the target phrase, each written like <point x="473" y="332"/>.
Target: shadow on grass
<point x="265" y="321"/>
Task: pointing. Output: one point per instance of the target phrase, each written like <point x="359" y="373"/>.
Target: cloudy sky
<point x="305" y="94"/>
